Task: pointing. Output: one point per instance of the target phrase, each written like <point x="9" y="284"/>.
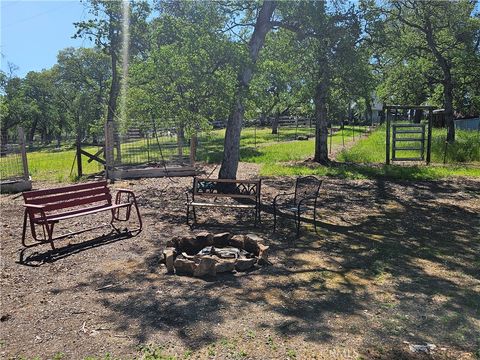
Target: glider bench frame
<point x="45" y="208"/>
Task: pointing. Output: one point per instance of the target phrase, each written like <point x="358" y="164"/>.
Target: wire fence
<point x="57" y="161"/>
<point x="11" y="164"/>
<point x="164" y="147"/>
<point x="13" y="160"/>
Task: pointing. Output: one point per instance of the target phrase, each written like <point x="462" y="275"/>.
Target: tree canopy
<point x="192" y="64"/>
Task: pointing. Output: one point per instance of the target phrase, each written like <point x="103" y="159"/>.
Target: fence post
<point x="23" y="149"/>
<point x="429" y="136"/>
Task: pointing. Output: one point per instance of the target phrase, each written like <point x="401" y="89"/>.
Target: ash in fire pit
<point x="208" y="254"/>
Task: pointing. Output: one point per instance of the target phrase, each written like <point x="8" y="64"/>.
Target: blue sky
<point x="32" y="32"/>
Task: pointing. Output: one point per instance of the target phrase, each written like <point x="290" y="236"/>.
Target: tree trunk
<point x="447" y="81"/>
<point x="231" y="146"/>
<point x="44" y="136"/>
<point x="263" y="119"/>
<point x="321" y="129"/>
<point x="180" y="140"/>
<point x="368" y="111"/>
<point x="112" y="104"/>
<point x="418" y="116"/>
<point x="275" y="121"/>
<point x="98" y="110"/>
<point x="31" y="134"/>
<point x="448" y="103"/>
<point x="231" y="150"/>
<point x="114" y="90"/>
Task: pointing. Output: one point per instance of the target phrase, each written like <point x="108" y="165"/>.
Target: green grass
<point x="366" y="160"/>
<point x="277" y="156"/>
<point x="466" y="148"/>
<point x="359" y="171"/>
<point x="57" y="166"/>
<point x="268" y="150"/>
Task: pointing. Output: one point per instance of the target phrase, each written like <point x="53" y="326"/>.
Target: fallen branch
<point x="108" y="286"/>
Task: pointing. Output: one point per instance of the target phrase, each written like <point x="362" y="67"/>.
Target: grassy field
<point x="258" y="145"/>
<point x="271" y="149"/>
<point x="278" y="154"/>
<point x="466" y="148"/>
<point x="366" y="160"/>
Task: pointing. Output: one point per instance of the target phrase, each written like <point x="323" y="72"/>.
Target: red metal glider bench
<point x="45" y="208"/>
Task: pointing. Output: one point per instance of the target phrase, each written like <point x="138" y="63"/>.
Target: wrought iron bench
<point x="306" y="193"/>
<point x="45" y="208"/>
<point x="207" y="192"/>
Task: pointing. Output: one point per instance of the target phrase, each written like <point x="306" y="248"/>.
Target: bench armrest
<point x="31" y="209"/>
<point x="130" y="193"/>
<point x="34" y="206"/>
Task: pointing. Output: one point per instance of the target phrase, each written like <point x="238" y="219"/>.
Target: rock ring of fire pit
<point x="206" y="254"/>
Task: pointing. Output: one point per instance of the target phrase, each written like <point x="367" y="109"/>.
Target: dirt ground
<point x="393" y="264"/>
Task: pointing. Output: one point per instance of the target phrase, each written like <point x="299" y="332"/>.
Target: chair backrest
<point x="307" y="187"/>
<point x="69" y="196"/>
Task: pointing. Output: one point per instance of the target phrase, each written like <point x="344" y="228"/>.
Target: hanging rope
<point x="154" y="123"/>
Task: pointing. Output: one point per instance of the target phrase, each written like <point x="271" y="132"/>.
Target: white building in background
<point x="377" y="109"/>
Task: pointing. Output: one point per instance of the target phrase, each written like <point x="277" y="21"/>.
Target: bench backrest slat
<point x="240" y="189"/>
<point x="69" y="196"/>
<point x="64" y="189"/>
<point x="78" y="202"/>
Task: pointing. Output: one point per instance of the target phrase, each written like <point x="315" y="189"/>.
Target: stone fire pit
<point x="206" y="254"/>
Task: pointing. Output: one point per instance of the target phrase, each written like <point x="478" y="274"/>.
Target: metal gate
<point x="408" y="138"/>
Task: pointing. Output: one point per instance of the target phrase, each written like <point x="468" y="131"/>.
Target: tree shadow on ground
<point x="392" y="261"/>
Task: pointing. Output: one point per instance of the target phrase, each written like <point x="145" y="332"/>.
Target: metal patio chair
<point x="306" y="193"/>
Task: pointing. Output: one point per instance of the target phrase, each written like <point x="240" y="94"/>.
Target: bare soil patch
<point x="393" y="264"/>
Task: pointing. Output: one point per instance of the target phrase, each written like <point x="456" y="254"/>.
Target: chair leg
<point x="194" y="214"/>
<point x="274" y="217"/>
<point x="188" y="214"/>
<point x="315" y="220"/>
<point x="298" y="224"/>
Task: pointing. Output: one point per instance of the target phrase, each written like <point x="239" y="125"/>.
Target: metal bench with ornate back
<point x="45" y="208"/>
<point x="208" y="192"/>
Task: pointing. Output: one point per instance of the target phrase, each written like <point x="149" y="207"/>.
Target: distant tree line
<point x="192" y="63"/>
